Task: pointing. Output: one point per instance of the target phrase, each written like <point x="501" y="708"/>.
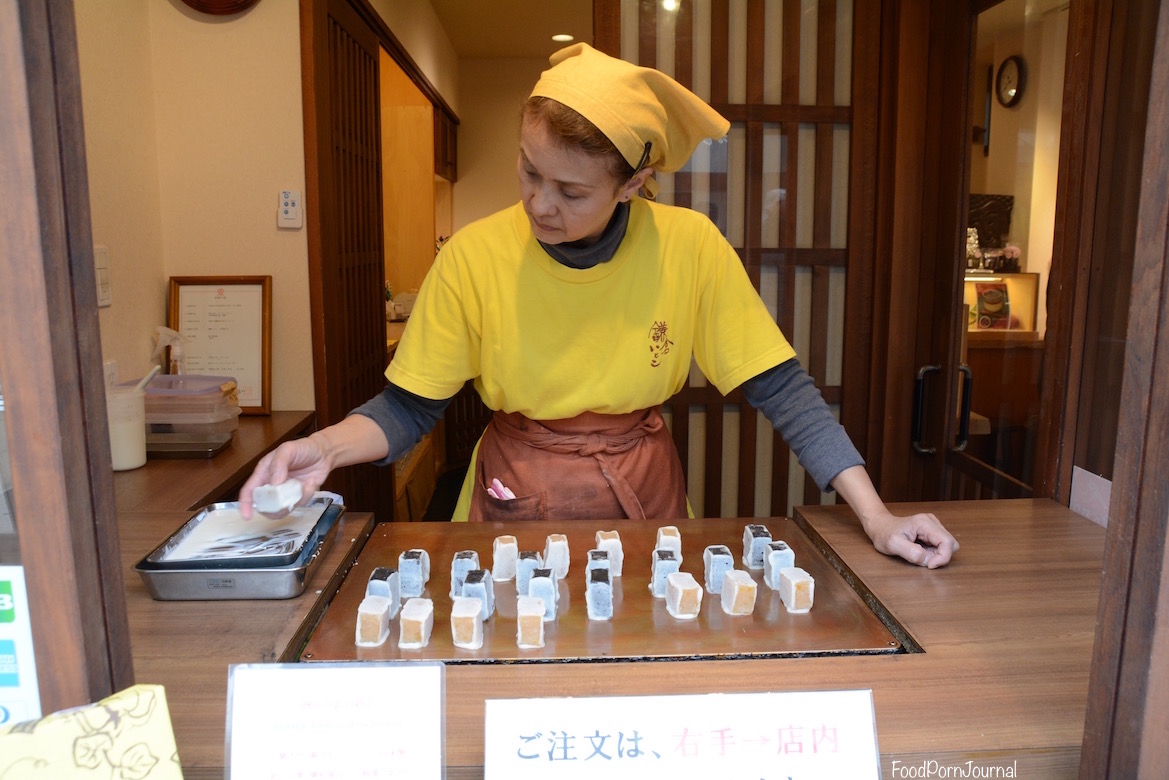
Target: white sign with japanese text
<point x="367" y="720"/>
<point x="763" y="736"/>
<point x="20" y="698"/>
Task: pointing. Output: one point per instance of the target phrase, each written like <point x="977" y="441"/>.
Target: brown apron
<point x="592" y="466"/>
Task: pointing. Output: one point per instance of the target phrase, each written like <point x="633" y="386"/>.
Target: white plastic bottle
<point x="167" y="337"/>
<point x="177" y="359"/>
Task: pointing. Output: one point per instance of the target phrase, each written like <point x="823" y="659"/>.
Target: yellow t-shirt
<point x="551" y="342"/>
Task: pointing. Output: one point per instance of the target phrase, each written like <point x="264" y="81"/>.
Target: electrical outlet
<point x="110" y="369"/>
<point x="289" y="214"/>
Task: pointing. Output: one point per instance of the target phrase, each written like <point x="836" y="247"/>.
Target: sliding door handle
<point x="919" y="410"/>
<point x="964" y="420"/>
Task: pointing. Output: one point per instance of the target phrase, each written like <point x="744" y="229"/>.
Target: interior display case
<point x="999" y="302"/>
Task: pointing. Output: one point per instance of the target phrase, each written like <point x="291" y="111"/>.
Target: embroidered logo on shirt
<point x="659" y="343"/>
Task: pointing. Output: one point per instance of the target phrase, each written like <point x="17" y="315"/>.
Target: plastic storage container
<point x="223" y="420"/>
<point x="190" y="415"/>
<point x="190" y="394"/>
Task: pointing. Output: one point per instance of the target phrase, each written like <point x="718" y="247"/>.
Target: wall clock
<point x="1008" y="84"/>
<point x="220" y="7"/>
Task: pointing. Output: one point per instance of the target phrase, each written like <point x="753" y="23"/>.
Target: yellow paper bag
<point x="126" y="735"/>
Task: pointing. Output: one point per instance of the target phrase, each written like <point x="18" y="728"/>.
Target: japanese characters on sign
<point x="768" y="735"/>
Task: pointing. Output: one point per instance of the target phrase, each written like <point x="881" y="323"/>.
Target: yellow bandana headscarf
<point x="632" y="105"/>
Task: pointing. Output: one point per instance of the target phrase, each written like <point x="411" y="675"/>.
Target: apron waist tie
<point x="596" y="445"/>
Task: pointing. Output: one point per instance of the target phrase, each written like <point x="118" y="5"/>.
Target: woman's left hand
<point x="920" y="539"/>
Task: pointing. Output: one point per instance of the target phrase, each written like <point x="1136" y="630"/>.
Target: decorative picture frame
<point x="226" y="322"/>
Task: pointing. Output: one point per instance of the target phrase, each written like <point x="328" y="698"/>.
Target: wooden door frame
<point x="348" y="355"/>
<point x="920" y="223"/>
<point x="62" y="473"/>
<point x="1129" y="689"/>
<point x="314" y="77"/>
<point x="1130" y="670"/>
<point x="1086" y="63"/>
<point x="922" y="116"/>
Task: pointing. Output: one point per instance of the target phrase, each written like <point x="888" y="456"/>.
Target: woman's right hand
<point x="356" y="439"/>
<point x="305" y="460"/>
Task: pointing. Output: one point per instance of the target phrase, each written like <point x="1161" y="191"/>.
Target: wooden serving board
<point x="840" y="623"/>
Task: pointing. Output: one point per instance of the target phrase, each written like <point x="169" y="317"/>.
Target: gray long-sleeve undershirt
<point x="785" y="394"/>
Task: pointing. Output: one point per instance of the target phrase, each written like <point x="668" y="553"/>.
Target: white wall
<point x="1024" y="139"/>
<point x="493" y="91"/>
<point x="121" y="140"/>
<point x="231" y="136"/>
<point x="193" y="125"/>
<point x="1048" y="86"/>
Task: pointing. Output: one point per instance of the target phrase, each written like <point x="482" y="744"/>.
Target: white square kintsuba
<point x="670" y="538"/>
<point x="683" y="595"/>
<point x="373" y="621"/>
<point x="717" y="560"/>
<point x="479" y="584"/>
<point x="413" y="571"/>
<point x="756" y="537"/>
<point x="738" y="592"/>
<point x="610" y="542"/>
<point x="467" y="622"/>
<point x="504" y="551"/>
<point x="599" y="595"/>
<point x="415" y="623"/>
<point x="462" y="562"/>
<point x="777" y="557"/>
<point x="797" y="589"/>
<point x="556" y="555"/>
<point x="527" y="561"/>
<point x="529" y="622"/>
<point x="665" y="563"/>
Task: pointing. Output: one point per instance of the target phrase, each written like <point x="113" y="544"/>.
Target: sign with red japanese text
<point x="763" y="736"/>
<point x="373" y="720"/>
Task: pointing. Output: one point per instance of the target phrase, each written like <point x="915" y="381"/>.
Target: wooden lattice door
<point x="780" y="188"/>
<point x="347" y="276"/>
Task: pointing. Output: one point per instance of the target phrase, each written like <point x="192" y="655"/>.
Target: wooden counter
<point x="1007" y="628"/>
<point x="187" y="646"/>
<point x="165" y="484"/>
<point x="1007" y="632"/>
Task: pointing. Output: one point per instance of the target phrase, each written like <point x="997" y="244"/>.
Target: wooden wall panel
<point x="802" y="126"/>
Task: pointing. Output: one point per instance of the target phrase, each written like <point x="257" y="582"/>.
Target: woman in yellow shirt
<point x="577" y="313"/>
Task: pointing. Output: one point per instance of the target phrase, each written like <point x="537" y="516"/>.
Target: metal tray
<point x="217" y="538"/>
<point x="243" y="581"/>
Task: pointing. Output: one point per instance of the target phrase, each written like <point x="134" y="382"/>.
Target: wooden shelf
<point x="1004" y="338"/>
<point x="191" y="483"/>
<point x="1007" y="630"/>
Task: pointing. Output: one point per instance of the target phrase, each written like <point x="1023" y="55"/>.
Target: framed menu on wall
<point x="226" y="323"/>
